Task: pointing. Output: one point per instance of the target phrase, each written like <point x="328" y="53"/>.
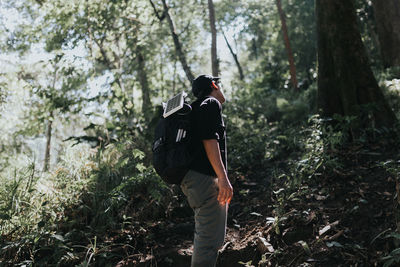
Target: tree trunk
<point x="214" y="57"/>
<point x="177" y="43"/>
<point x="292" y="66"/>
<point x="346" y="84"/>
<point x="235" y="57"/>
<point x="144" y="84"/>
<point x="46" y="166"/>
<point x="387" y="19"/>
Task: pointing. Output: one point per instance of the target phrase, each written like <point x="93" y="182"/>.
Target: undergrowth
<point x="71" y="215"/>
<point x="57" y="217"/>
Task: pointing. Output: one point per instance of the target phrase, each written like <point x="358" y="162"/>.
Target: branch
<point x="235" y="57"/>
<point x="156" y="12"/>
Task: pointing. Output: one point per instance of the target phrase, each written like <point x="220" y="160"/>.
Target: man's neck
<point x="217" y="95"/>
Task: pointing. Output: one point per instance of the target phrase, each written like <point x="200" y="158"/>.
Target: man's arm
<point x="225" y="188"/>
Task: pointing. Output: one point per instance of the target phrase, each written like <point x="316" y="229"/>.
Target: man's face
<point x="219" y="93"/>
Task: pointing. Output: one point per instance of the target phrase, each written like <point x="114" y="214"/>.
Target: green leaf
<point x="394" y="235"/>
<point x="58" y="237"/>
<point x="305" y="246"/>
<point x="140" y="167"/>
<point x="395" y="252"/>
<point x="137" y="154"/>
<point x="334" y="244"/>
<point x="388" y="263"/>
<point x="4" y="216"/>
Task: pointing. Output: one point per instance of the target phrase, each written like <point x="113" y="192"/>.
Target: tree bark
<point x="235" y="57"/>
<point x="346" y="84"/>
<point x="292" y="66"/>
<point x="214" y="56"/>
<point x="387" y="19"/>
<point x="144" y="84"/>
<point x="175" y="37"/>
<point x="46" y="166"/>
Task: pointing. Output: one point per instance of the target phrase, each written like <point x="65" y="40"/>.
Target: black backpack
<point x="172" y="146"/>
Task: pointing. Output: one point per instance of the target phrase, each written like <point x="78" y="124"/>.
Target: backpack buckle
<point x="159" y="142"/>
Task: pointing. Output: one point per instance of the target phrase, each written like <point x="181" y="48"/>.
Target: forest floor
<point x="345" y="214"/>
<point x="347" y="217"/>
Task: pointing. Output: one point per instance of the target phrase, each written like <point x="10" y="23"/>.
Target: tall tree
<point x="214" y="56"/>
<point x="292" y="66"/>
<point x="387" y="19"/>
<point x="346" y="83"/>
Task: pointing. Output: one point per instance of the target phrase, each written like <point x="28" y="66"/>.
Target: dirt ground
<point x="346" y="217"/>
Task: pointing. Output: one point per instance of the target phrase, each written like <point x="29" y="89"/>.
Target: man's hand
<point x="225" y="190"/>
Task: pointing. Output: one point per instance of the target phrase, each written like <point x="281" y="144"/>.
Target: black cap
<point x="201" y="86"/>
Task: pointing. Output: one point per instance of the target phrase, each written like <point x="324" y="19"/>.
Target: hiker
<point x="206" y="184"/>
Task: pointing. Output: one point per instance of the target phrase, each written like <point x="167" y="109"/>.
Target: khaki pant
<point x="210" y="217"/>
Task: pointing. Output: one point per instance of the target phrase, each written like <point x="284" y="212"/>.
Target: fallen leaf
<point x="264" y="246"/>
<point x="324" y="230"/>
<point x="318" y="197"/>
<point x="305" y="246"/>
<point x="334" y="244"/>
<point x="335" y="223"/>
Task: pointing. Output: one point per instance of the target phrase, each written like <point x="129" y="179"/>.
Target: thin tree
<point x="175" y="37"/>
<point x="144" y="84"/>
<point x="292" y="66"/>
<point x="214" y="56"/>
<point x="346" y="84"/>
<point x="49" y="129"/>
<point x="387" y="19"/>
<point x="234" y="55"/>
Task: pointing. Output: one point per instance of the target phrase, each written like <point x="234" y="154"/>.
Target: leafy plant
<point x="392" y="258"/>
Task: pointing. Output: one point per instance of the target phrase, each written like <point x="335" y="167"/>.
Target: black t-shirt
<point x="207" y="124"/>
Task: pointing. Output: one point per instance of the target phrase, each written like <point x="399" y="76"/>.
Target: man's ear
<point x="213" y="85"/>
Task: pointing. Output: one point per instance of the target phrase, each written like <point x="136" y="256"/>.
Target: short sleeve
<point x="209" y="119"/>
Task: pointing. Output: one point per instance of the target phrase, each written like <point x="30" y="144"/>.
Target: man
<point x="206" y="185"/>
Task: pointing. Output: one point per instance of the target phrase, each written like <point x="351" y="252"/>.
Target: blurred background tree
<point x="346" y="83"/>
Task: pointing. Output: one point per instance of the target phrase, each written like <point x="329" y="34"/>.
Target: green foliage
<point x="122" y="185"/>
<point x="390" y="84"/>
<point x="367" y="27"/>
<point x="32" y="205"/>
<point x="31" y="200"/>
<point x="393" y="168"/>
<point x="246" y="264"/>
<point x="266" y="125"/>
<point x="321" y="140"/>
<point x="3" y="92"/>
<point x="393" y="258"/>
<point x="106" y="190"/>
<point x="92" y="83"/>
